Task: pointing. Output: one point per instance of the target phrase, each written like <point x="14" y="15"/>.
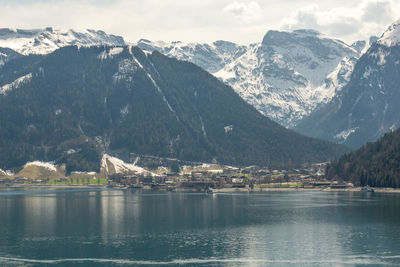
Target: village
<point x="209" y="179"/>
<point x="194" y="178"/>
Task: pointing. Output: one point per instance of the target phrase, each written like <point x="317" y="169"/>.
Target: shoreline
<point x="352" y="189"/>
<point x="220" y="190"/>
<point x="52" y="186"/>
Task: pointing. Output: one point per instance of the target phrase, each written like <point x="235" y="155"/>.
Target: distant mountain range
<point x="44" y="41"/>
<point x="286" y="76"/>
<point x="77" y="103"/>
<point x="368" y="106"/>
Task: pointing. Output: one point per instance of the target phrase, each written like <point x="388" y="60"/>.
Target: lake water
<point x="126" y="228"/>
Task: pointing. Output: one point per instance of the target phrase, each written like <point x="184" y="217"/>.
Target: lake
<point x="100" y="227"/>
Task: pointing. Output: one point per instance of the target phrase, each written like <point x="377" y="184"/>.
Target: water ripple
<point x="350" y="261"/>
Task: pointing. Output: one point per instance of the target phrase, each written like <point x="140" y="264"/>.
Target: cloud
<point x="168" y="20"/>
<point x="241" y="21"/>
<point x="370" y="17"/>
<point x="247" y="12"/>
<point x="134" y="19"/>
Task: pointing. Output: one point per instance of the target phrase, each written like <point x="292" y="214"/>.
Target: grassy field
<point x="279" y="185"/>
<point x="79" y="181"/>
<point x="75" y="181"/>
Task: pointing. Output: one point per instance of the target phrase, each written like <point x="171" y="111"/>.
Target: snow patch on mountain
<point x="47" y="165"/>
<point x="6" y="173"/>
<point x="126" y="69"/>
<point x="15" y="43"/>
<point x="343" y="135"/>
<point x="228" y="129"/>
<point x="124" y="111"/>
<point x="367" y="72"/>
<point x="391" y="37"/>
<point x="115" y="165"/>
<point x="110" y="53"/>
<point x="203" y="128"/>
<point x="161" y="92"/>
<point x="15" y="84"/>
<point x="334" y="82"/>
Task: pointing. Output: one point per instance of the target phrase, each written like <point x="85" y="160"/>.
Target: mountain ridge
<point x="47" y="40"/>
<point x="281" y="83"/>
<point x="87" y="101"/>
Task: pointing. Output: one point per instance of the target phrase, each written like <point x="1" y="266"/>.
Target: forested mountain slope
<point x="76" y="103"/>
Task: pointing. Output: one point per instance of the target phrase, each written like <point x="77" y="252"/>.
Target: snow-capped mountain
<point x="368" y="106"/>
<point x="285" y="77"/>
<point x="44" y="41"/>
<point x="211" y="57"/>
<point x="290" y="74"/>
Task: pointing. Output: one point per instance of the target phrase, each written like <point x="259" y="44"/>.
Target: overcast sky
<point x="241" y="21"/>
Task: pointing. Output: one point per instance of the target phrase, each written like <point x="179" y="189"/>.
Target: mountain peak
<point x="359" y="46"/>
<point x="144" y="41"/>
<point x="373" y="39"/>
<point x="273" y="36"/>
<point x="391" y="37"/>
<point x="279" y="38"/>
<point x="307" y="31"/>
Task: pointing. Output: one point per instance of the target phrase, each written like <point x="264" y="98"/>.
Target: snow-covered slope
<point x="391" y="37"/>
<point x="43" y="41"/>
<point x="113" y="165"/>
<point x="211" y="57"/>
<point x="368" y="106"/>
<point x="37" y="169"/>
<point x="15" y="84"/>
<point x="47" y="165"/>
<point x="290" y="74"/>
<point x="285" y="77"/>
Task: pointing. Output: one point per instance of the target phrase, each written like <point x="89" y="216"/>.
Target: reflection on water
<point x="111" y="227"/>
